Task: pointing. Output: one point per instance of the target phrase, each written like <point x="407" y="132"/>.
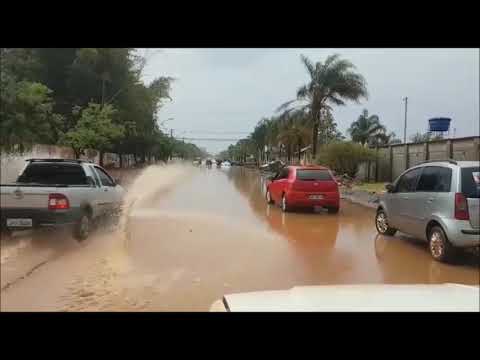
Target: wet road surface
<point x="190" y="239"/>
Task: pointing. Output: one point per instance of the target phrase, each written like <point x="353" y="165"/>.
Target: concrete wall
<point x="383" y="163"/>
<point x="458" y="149"/>
<point x="398" y="160"/>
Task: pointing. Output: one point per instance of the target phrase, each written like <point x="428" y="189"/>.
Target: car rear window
<point x="49" y="174"/>
<point x="315" y="175"/>
<point x="471" y="182"/>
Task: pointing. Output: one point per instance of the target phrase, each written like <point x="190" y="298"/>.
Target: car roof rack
<point x="59" y="160"/>
<point x="451" y="161"/>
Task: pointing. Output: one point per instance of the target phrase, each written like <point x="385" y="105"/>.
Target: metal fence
<point x="392" y="160"/>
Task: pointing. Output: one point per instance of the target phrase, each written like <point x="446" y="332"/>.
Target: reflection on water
<point x="406" y="260"/>
<point x="313" y="237"/>
<point x="215" y="234"/>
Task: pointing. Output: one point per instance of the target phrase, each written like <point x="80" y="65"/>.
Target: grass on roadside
<point x="377" y="187"/>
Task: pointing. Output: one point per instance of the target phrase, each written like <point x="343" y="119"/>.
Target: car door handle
<point x="106" y="189"/>
<point x="430" y="200"/>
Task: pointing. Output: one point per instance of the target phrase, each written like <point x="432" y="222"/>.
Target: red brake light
<point x="461" y="207"/>
<point x="58" y="202"/>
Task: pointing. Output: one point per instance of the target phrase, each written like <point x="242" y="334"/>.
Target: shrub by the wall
<point x="344" y="157"/>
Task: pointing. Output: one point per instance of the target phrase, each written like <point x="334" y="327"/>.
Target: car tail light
<point x="58" y="202"/>
<point x="461" y="207"/>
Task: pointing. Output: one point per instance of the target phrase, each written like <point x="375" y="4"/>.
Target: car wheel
<point x="82" y="228"/>
<point x="381" y="223"/>
<point x="268" y="197"/>
<point x="439" y="246"/>
<point x="333" y="210"/>
<point x="284" y="204"/>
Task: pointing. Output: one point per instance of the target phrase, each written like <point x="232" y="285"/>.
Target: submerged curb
<point x="364" y="198"/>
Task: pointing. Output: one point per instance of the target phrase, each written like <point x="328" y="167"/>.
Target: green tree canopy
<point x="26" y="111"/>
<point x="94" y="129"/>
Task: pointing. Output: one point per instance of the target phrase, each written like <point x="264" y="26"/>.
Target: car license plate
<point x="19" y="222"/>
<point x="315" y="197"/>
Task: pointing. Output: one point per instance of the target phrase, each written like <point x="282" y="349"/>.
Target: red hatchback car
<point x="304" y="186"/>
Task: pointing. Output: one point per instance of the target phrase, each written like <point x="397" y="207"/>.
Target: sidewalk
<point x="361" y="197"/>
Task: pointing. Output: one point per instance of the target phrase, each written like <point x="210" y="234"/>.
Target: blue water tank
<point x="439" y="124"/>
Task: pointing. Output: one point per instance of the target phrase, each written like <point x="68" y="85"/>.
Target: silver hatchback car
<point x="437" y="201"/>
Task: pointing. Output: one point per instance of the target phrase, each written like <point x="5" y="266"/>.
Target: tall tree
<point x="259" y="137"/>
<point x="293" y="135"/>
<point x="366" y="128"/>
<point x="327" y="131"/>
<point x="26" y="110"/>
<point x="94" y="130"/>
<point x="331" y="83"/>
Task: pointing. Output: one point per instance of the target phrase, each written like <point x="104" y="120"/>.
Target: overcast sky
<point x="223" y="93"/>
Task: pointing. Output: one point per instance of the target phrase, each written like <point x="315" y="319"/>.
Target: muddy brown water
<point x="208" y="232"/>
<point x="214" y="234"/>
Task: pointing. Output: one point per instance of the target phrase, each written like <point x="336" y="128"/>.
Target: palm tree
<point x="382" y="138"/>
<point x="366" y="128"/>
<point x="293" y="131"/>
<point x="331" y="83"/>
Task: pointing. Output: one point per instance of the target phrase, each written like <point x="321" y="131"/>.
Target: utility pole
<point x="405" y="127"/>
<point x="171" y="151"/>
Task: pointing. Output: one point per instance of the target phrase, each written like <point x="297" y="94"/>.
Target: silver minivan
<point x="437" y="201"/>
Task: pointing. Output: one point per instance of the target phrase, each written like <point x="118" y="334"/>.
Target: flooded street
<point x="194" y="234"/>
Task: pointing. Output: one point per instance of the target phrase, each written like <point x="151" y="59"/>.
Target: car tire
<point x="284" y="205"/>
<point x="381" y="223"/>
<point x="268" y="197"/>
<point x="82" y="228"/>
<point x="439" y="246"/>
<point x="333" y="210"/>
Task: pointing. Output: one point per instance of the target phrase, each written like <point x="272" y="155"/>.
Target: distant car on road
<point x="304" y="186"/>
<point x="59" y="192"/>
<point x="272" y="166"/>
<point x="436" y="201"/>
<point x="226" y="164"/>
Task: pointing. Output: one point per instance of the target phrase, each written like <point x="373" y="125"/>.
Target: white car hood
<point x="370" y="297"/>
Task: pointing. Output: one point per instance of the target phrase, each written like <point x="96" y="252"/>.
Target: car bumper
<point x="296" y="198"/>
<point x="41" y="217"/>
<point x="460" y="233"/>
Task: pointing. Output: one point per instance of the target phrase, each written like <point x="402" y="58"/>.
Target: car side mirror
<point x="116" y="181"/>
<point x="390" y="188"/>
